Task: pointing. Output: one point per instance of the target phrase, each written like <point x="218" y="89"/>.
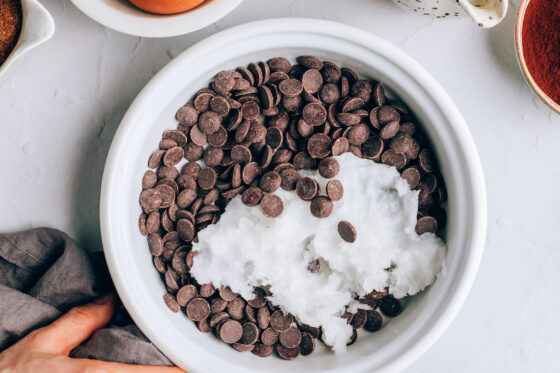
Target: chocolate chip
<point x="290" y="338"/>
<point x="171" y="303"/>
<point x="306" y="188"/>
<point x="231" y="331"/>
<point x="186" y="230"/>
<point x="329" y="93"/>
<point x="218" y="138"/>
<point x="391" y="306"/>
<point x="166" y="144"/>
<point x="197" y="136"/>
<point x="426" y="224"/>
<point x="358" y="134"/>
<point x="280" y="322"/>
<point x="389" y="130"/>
<point x="359" y="319"/>
<point x="279" y="64"/>
<point x="150" y="200"/>
<point x="217" y="319"/>
<point x="347" y="231"/>
<point x="153" y="222"/>
<point x="193" y="152"/>
<point x="142" y="224"/>
<point x="270" y="182"/>
<point x="263" y="317"/>
<point x="388" y="114"/>
<point x="250" y="110"/>
<point x="348" y="119"/>
<point x="321" y="207"/>
<point x="198" y="309"/>
<point x="335" y="190"/>
<point x="304" y="161"/>
<point x="241" y="154"/>
<point x="187" y="115"/>
<point x="167" y="195"/>
<point x="313" y="331"/>
<point x="312" y="80"/>
<point x="202" y="101"/>
<point x="252" y="196"/>
<point x="209" y="122"/>
<point x="287" y="353"/>
<point x="149" y="179"/>
<point x="425" y="161"/>
<point x="262" y="350"/>
<point x="392" y="158"/>
<point x="307" y="344"/>
<point x="250" y="333"/>
<point x="203" y="326"/>
<point x="213" y="156"/>
<point x="290" y="87"/>
<point x="259" y="300"/>
<point x="219" y="105"/>
<point x="362" y="89"/>
<point x="328" y="168"/>
<point x="373" y="147"/>
<point x="185" y="294"/>
<point x="207" y="178"/>
<point x="155" y="244"/>
<point x="250" y="313"/>
<point x="319" y="145"/>
<point x="207" y="290"/>
<point x="242" y="347"/>
<point x="353" y="338"/>
<point x="271" y="206"/>
<point x="269" y="336"/>
<point x="374" y="321"/>
<point x="226" y="294"/>
<point x="339" y="146"/>
<point x="186" y="197"/>
<point x="310" y="62"/>
<point x="412" y="176"/>
<point x="314" y="113"/>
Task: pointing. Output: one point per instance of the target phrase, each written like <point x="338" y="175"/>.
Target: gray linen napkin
<point x="43" y="273"/>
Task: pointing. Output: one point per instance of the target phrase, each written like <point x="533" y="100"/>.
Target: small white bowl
<point x="121" y="15"/>
<point x="37" y="27"/>
<point x="405" y="337"/>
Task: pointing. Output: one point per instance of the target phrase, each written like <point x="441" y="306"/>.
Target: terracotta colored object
<point x="521" y="58"/>
<point x="166" y="6"/>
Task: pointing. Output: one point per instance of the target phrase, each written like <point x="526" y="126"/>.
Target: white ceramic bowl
<point x="121" y="15"/>
<point x="37" y="27"/>
<point x="404" y="338"/>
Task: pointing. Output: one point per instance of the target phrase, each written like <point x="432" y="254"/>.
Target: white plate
<point x="404" y="338"/>
<point x="121" y="15"/>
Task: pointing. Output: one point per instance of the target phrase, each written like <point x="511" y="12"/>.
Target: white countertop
<point x="61" y="105"/>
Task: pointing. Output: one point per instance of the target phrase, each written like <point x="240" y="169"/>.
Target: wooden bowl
<point x="521" y="58"/>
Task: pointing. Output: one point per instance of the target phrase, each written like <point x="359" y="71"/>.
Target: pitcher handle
<point x="488" y="14"/>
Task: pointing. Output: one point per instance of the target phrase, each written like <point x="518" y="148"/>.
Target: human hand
<point x="47" y="349"/>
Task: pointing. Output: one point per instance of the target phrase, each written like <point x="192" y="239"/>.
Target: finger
<point x="84" y="364"/>
<point x="75" y="326"/>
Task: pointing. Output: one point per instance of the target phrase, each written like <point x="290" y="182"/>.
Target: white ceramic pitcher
<point x="485" y="13"/>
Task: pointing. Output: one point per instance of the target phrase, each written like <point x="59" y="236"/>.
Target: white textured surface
<point x="61" y="105"/>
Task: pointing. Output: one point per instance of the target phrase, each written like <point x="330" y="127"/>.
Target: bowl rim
<point x="155" y="25"/>
<point x="472" y="166"/>
<point x="521" y="58"/>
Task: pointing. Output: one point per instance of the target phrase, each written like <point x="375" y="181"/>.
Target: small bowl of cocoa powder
<point x="537" y="41"/>
<point x="24" y="24"/>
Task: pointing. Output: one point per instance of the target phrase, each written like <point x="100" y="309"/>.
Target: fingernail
<point x="104" y="299"/>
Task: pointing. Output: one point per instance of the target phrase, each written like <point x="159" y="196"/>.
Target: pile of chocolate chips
<point x="253" y="128"/>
